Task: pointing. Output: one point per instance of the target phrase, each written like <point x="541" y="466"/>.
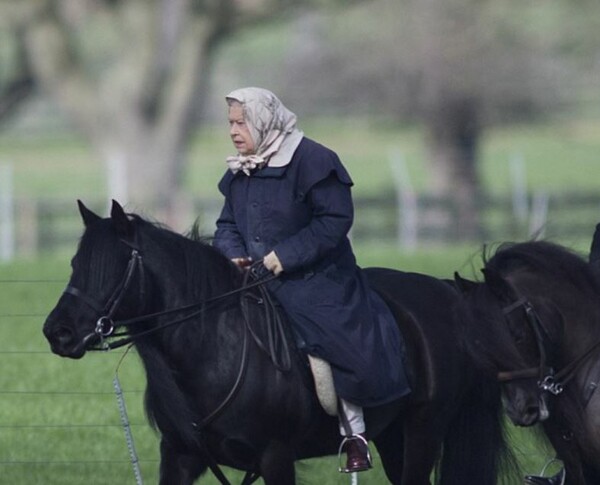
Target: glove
<point x="272" y="263"/>
<point x="242" y="263"/>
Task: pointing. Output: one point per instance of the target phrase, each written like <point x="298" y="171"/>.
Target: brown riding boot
<point x="357" y="452"/>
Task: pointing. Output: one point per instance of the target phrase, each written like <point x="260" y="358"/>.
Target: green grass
<point x="59" y="418"/>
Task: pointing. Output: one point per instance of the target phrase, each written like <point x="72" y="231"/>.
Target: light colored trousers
<point x="354" y="415"/>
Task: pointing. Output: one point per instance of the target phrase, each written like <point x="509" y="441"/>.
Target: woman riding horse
<point x="288" y="203"/>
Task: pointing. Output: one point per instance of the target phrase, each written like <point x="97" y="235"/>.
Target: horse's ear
<point x="87" y="215"/>
<point x="498" y="285"/>
<point x="123" y="225"/>
<point x="464" y="285"/>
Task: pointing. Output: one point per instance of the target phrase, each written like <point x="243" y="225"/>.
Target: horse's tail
<point x="475" y="450"/>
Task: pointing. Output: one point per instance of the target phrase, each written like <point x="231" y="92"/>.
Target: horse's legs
<point x="422" y="444"/>
<point x="390" y="445"/>
<point x="277" y="464"/>
<point x="178" y="467"/>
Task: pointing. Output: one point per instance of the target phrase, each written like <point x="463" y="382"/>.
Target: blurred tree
<point x="130" y="75"/>
<point x="456" y="66"/>
<point x="17" y="82"/>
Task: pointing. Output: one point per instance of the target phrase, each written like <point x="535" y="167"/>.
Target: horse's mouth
<point x="76" y="351"/>
<point x="544" y="412"/>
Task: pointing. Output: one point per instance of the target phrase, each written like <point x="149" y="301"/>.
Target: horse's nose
<point x="530" y="416"/>
<point x="523" y="406"/>
<point x="59" y="336"/>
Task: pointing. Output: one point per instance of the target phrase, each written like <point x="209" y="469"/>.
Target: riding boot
<point x="558" y="479"/>
<point x="358" y="458"/>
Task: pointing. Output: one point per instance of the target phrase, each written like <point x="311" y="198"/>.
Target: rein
<point x="553" y="382"/>
<point x="106" y="326"/>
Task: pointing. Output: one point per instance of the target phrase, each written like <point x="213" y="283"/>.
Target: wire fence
<point x="59" y="419"/>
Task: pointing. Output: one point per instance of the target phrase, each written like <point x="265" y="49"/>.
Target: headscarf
<point x="272" y="127"/>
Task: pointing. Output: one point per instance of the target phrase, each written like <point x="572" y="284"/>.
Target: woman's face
<point x="239" y="130"/>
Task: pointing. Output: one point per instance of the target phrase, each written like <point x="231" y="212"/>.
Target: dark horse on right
<point x="534" y="324"/>
<point x="215" y="394"/>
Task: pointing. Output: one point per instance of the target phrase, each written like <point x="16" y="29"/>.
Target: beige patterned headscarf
<point x="273" y="130"/>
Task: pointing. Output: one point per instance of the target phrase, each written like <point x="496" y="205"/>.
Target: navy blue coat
<point x="303" y="212"/>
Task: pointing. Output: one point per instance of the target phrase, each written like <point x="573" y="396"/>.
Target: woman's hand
<point x="272" y="263"/>
<point x="242" y="263"/>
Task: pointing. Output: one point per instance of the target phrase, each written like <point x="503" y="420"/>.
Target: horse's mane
<point x="545" y="258"/>
<point x="547" y="262"/>
<point x="206" y="270"/>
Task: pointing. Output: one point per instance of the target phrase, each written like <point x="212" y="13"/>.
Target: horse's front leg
<point x="422" y="445"/>
<point x="179" y="467"/>
<point x="277" y="464"/>
<point x="567" y="450"/>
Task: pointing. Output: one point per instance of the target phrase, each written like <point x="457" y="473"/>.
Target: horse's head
<point x="508" y="342"/>
<point x="105" y="271"/>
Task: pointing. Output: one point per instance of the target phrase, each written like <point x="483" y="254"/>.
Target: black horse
<point x="215" y="394"/>
<point x="534" y="324"/>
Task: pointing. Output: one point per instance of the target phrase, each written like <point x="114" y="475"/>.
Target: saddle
<point x="274" y="338"/>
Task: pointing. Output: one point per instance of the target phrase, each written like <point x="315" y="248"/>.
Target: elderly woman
<point x="288" y="202"/>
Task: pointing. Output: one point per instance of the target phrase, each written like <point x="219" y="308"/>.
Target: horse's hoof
<point x="558" y="479"/>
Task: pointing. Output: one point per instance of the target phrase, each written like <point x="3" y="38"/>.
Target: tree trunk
<point x="453" y="136"/>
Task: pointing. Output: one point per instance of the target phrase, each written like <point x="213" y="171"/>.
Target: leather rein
<point x="106" y="325"/>
<point x="548" y="379"/>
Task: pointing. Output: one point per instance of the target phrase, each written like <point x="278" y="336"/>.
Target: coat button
<point x="257" y="238"/>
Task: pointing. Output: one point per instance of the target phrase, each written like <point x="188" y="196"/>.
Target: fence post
<point x="406" y="201"/>
<point x="518" y="177"/>
<point x="7" y="222"/>
<point x="116" y="176"/>
<point x="27" y="229"/>
<point x="539" y="214"/>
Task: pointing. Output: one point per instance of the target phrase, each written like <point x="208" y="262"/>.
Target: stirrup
<point x="354" y="437"/>
<point x="558" y="479"/>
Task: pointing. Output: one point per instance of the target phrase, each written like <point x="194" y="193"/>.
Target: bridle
<point x="548" y="380"/>
<point x="542" y="371"/>
<point x="106" y="325"/>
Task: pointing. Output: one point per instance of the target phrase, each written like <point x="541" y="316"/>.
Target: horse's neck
<point x="181" y="280"/>
<point x="581" y="323"/>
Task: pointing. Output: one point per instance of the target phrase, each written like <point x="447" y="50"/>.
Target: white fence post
<point x="518" y="177"/>
<point x="7" y="222"/>
<point x="539" y="215"/>
<point x="116" y="177"/>
<point x="406" y="200"/>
